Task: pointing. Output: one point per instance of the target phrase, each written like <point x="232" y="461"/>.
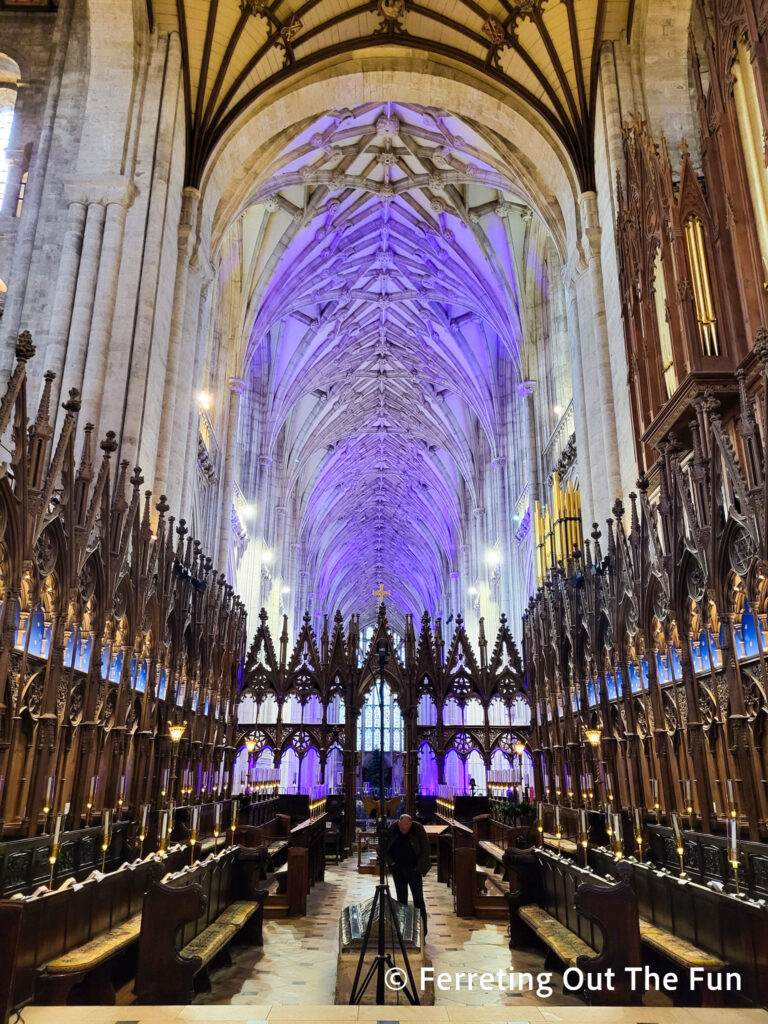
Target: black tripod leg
<point x="410" y="989"/>
<point x="355" y="995"/>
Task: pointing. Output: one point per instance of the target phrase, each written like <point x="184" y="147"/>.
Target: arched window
<point x="702" y="289"/>
<point x="427" y="711"/>
<point x="427" y="770"/>
<point x="452" y="713"/>
<point x="473" y="712"/>
<point x="336" y="710"/>
<point x="9" y="79"/>
<point x="662" y="324"/>
<point x="334" y="770"/>
<point x="369" y="722"/>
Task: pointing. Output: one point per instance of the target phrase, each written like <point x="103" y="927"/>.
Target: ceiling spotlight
<point x="204" y="400"/>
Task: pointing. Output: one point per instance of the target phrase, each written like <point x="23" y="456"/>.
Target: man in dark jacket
<point x="407" y="855"/>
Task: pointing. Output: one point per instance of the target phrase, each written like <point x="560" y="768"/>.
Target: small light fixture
<point x="250" y="744"/>
<point x="493" y="557"/>
<point x="286" y="590"/>
<point x="472" y="591"/>
<point x="519" y="748"/>
<point x="558" y="410"/>
<point x="266" y="555"/>
<point x="204" y="400"/>
<point x="247" y="511"/>
<point x="593" y="735"/>
<point x="176" y="732"/>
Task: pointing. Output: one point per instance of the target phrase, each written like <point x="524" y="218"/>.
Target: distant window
<point x="9" y="78"/>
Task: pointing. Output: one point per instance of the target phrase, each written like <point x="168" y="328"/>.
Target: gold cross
<point x="381" y="592"/>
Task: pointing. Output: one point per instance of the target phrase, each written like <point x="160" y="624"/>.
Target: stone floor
<point x="298" y="962"/>
<point x="292" y="979"/>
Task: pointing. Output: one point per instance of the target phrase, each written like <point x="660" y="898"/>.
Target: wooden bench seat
<point x="566" y="845"/>
<point x="209" y="943"/>
<point x="678" y="949"/>
<point x="189" y="920"/>
<point x="583" y="919"/>
<point x="566" y="946"/>
<point x="492" y="849"/>
<point x="91" y="954"/>
<point x="76" y="944"/>
<point x="487" y="876"/>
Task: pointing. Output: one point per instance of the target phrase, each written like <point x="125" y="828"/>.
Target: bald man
<point x="407" y="856"/>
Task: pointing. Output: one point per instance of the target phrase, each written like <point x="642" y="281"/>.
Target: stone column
<point x="455" y="593"/>
<point x="117" y="205"/>
<point x="582" y="424"/>
<point x="527" y="389"/>
<point x="176" y="358"/>
<point x="82" y="308"/>
<point x="61" y="315"/>
<point x="11" y="323"/>
<point x="602" y="351"/>
<point x="236" y="388"/>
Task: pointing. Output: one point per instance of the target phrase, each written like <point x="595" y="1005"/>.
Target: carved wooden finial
<point x="45" y="399"/>
<point x="24" y="347"/>
<point x="72" y="405"/>
<point x="109" y="444"/>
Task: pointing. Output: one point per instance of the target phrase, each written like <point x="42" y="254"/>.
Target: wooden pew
<point x="274" y="834"/>
<point x="75" y="944"/>
<point x="189" y="919"/>
<point x="24" y="862"/>
<point x="684" y="924"/>
<point x="304" y="867"/>
<point x="584" y="920"/>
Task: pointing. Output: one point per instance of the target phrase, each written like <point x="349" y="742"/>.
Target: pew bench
<point x="190" y="918"/>
<point x="583" y="920"/>
<point x="561" y="941"/>
<point x="492" y="850"/>
<point x="678" y="949"/>
<point x="76" y="944"/>
<point x="567" y="846"/>
<point x="684" y="924"/>
<point x="92" y="962"/>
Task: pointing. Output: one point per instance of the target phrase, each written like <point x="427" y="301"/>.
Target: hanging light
<point x="176" y="732"/>
<point x="593" y="735"/>
<point x="519" y="748"/>
<point x="250" y="744"/>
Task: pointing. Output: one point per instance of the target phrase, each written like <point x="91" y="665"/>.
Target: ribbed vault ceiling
<point x="544" y="51"/>
<point x="384" y="338"/>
